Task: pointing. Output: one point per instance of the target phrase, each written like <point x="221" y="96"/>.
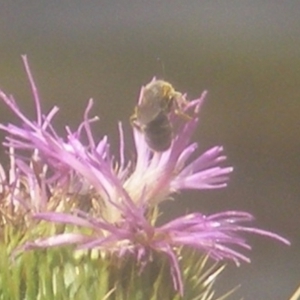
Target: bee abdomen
<point x="159" y="133"/>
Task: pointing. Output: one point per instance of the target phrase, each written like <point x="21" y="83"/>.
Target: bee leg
<point x="179" y="105"/>
<point x="183" y="115"/>
<point x="134" y="123"/>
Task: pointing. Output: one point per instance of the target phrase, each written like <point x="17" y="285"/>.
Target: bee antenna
<point x="162" y="66"/>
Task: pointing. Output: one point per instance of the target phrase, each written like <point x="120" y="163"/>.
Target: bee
<point x="152" y="114"/>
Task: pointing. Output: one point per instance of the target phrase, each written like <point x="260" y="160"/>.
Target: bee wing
<point x="147" y="113"/>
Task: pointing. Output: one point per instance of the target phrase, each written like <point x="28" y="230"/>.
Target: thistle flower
<point x="113" y="203"/>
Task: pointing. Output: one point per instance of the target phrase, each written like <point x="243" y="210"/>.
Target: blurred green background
<point x="245" y="53"/>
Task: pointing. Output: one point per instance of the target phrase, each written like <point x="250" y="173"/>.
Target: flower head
<point x="65" y="181"/>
